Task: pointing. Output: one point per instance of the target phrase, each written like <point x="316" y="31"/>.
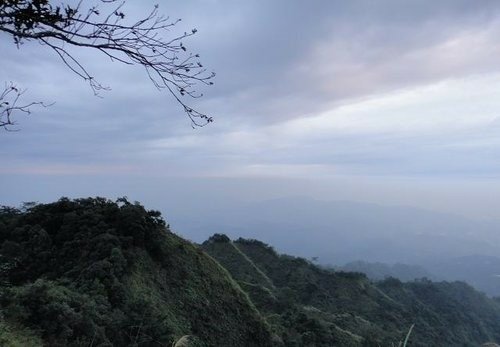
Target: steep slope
<point x="317" y="307"/>
<point x="92" y="272"/>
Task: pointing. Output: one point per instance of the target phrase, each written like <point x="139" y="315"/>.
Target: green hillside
<point x="310" y="306"/>
<point x="92" y="272"/>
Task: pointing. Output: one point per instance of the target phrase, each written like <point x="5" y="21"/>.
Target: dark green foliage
<point x="310" y="306"/>
<point x="219" y="238"/>
<point x="92" y="272"/>
<point x="65" y="316"/>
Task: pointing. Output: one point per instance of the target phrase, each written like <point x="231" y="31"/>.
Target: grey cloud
<point x="275" y="61"/>
<point x="268" y="64"/>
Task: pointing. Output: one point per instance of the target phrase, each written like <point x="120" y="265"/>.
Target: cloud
<point x="440" y="129"/>
<point x="69" y="170"/>
<point x="330" y="87"/>
<point x="289" y="59"/>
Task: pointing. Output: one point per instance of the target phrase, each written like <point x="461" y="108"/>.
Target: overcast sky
<point x="394" y="102"/>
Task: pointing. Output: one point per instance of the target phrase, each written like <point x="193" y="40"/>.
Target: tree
<point x="9" y="104"/>
<point x="103" y="27"/>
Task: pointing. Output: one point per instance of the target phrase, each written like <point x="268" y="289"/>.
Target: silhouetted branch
<point x="10" y="103"/>
<point x="167" y="61"/>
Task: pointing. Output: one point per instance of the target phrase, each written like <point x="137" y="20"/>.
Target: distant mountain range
<point x="93" y="272"/>
<point x="339" y="232"/>
<point x="381" y="271"/>
<point x="482" y="272"/>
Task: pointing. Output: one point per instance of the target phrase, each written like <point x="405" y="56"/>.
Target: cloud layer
<point x="304" y="89"/>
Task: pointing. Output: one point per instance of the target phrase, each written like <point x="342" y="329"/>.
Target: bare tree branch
<point x="167" y="62"/>
<point x="10" y="103"/>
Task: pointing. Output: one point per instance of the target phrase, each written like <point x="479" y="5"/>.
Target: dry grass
<point x="184" y="341"/>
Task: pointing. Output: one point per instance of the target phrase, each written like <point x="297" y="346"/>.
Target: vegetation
<point x="92" y="272"/>
<point x="310" y="306"/>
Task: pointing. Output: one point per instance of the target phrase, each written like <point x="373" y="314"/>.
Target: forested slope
<point x="92" y="272"/>
<point x="313" y="306"/>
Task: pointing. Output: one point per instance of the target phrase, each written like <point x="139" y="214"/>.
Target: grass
<point x="255" y="267"/>
<point x="404" y="343"/>
<point x="12" y="336"/>
<point x="184" y="341"/>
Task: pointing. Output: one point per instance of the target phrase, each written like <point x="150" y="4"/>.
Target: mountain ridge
<point x="378" y="312"/>
<point x="99" y="272"/>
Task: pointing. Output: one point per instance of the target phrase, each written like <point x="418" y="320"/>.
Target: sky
<point x="388" y="102"/>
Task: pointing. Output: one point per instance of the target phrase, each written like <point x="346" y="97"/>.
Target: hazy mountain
<point x="483" y="272"/>
<point x="341" y="231"/>
<point x="380" y="271"/>
<point x="91" y="272"/>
